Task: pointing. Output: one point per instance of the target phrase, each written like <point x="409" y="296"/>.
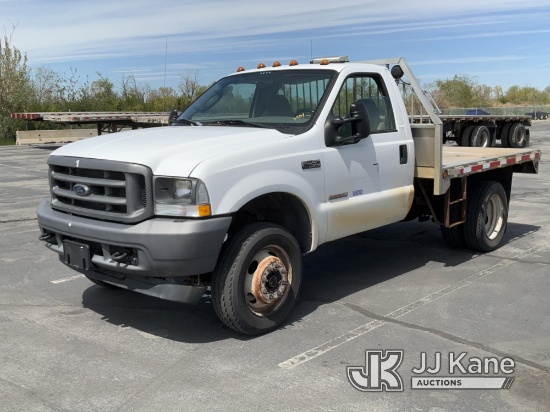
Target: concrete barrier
<point x="52" y="136"/>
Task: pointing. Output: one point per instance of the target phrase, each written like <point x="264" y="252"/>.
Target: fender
<point x="254" y="185"/>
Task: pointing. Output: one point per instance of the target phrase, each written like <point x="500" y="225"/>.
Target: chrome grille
<point x="109" y="190"/>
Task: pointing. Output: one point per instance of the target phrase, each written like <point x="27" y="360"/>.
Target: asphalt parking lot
<point x="68" y="345"/>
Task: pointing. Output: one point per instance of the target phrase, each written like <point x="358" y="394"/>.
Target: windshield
<point x="280" y="99"/>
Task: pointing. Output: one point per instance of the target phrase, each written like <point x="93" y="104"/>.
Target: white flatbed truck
<point x="264" y="167"/>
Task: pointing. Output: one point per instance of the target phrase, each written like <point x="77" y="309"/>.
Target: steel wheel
<point x="268" y="280"/>
<point x="494" y="217"/>
<point x="257" y="278"/>
<point x="481" y="137"/>
<point x="517" y="136"/>
<point x="487" y="216"/>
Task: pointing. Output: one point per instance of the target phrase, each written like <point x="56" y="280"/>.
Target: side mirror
<point x="360" y="126"/>
<point x="173" y="116"/>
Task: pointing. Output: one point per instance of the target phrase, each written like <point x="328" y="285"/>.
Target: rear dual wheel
<point x="466" y="136"/>
<point x="517" y="136"/>
<point x="476" y="136"/>
<point x="513" y="135"/>
<point x="504" y="131"/>
<point x="257" y="279"/>
<point x="481" y="137"/>
<point x="487" y="216"/>
<point x="486" y="219"/>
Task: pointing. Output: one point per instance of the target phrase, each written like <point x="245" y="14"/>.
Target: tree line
<point x="41" y="89"/>
<point x="465" y="91"/>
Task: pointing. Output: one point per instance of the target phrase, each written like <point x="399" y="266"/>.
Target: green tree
<point x="460" y="91"/>
<point x="102" y="95"/>
<point x="15" y="87"/>
<point x="525" y="96"/>
<point x="190" y="88"/>
<point x="163" y="99"/>
<point x="133" y="96"/>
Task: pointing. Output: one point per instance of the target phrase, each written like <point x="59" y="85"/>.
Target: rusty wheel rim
<point x="268" y="280"/>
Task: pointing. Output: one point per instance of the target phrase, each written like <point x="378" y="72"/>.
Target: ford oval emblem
<point x="81" y="190"/>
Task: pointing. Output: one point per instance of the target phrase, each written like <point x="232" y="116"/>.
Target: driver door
<point x="367" y="184"/>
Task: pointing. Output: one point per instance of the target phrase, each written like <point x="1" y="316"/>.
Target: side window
<point x="369" y="90"/>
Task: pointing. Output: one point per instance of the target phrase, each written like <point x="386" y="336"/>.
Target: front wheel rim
<point x="494" y="217"/>
<point x="268" y="280"/>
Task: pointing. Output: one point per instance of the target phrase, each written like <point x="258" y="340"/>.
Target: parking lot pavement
<point x="68" y="345"/>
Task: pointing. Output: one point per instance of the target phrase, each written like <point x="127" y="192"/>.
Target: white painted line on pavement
<point x="372" y="325"/>
<point x="55" y="282"/>
<point x="18" y="233"/>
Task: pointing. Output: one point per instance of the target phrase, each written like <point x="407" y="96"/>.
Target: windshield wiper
<point x="235" y="122"/>
<point x="187" y="121"/>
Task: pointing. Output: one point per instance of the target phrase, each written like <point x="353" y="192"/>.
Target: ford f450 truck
<point x="260" y="170"/>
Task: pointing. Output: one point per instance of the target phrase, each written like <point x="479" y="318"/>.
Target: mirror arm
<point x="341" y="120"/>
<point x="356" y="138"/>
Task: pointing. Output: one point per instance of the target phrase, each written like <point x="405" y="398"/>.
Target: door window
<point x="369" y="90"/>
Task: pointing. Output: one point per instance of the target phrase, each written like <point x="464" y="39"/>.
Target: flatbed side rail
<point x="530" y="159"/>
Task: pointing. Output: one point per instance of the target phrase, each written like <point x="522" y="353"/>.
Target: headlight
<point x="182" y="188"/>
<point x="181" y="197"/>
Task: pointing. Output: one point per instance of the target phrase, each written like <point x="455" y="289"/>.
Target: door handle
<point x="403" y="154"/>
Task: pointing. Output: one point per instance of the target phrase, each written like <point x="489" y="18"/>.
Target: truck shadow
<point x="335" y="271"/>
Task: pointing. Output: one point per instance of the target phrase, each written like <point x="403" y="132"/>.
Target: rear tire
<point x="504" y="132"/>
<point x="517" y="136"/>
<point x="487" y="216"/>
<point x="481" y="137"/>
<point x="466" y="136"/>
<point x="257" y="279"/>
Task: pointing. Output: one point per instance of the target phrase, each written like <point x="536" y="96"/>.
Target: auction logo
<point x="380" y="372"/>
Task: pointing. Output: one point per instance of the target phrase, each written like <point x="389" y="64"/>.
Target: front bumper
<point x="160" y="247"/>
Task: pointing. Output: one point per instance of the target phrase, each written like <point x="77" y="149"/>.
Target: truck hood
<point x="174" y="150"/>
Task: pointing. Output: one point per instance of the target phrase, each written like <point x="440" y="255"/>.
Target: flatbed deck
<point x="458" y="161"/>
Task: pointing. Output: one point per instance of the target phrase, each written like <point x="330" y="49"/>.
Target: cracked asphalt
<point x="68" y="345"/>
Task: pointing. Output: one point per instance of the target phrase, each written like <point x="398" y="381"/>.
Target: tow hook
<point x="119" y="256"/>
<point x="124" y="257"/>
<point x="46" y="237"/>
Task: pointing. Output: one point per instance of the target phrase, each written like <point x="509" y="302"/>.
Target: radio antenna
<point x="164" y="82"/>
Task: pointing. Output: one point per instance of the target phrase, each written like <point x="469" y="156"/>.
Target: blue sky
<point x="499" y="42"/>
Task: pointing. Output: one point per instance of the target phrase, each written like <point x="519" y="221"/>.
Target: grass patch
<point x="7" y="142"/>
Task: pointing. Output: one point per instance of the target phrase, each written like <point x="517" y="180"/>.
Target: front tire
<point x="257" y="279"/>
<point x="487" y="216"/>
